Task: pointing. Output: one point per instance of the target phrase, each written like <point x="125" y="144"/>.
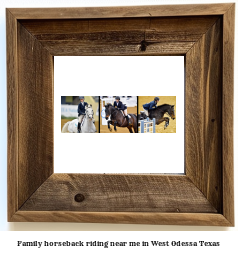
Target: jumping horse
<point x="118" y="119"/>
<point x="158" y="114"/>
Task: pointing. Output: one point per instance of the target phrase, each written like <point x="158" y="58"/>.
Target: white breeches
<point x="80" y="118"/>
<point x="125" y="112"/>
<point x="146" y="112"/>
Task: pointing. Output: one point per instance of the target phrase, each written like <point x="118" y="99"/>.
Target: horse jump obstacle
<point x="147" y="126"/>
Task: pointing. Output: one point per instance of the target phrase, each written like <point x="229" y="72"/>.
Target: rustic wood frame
<point x="204" y="34"/>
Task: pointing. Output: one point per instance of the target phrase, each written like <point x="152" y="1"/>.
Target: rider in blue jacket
<point x="119" y="105"/>
<point x="81" y="111"/>
<point x="150" y="105"/>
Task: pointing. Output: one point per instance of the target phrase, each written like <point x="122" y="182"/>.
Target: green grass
<point x="69" y="118"/>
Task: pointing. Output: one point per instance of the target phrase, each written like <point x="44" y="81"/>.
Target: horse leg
<point x="108" y="124"/>
<point x="166" y="119"/>
<point x="115" y="126"/>
<point x="135" y="125"/>
<point x="161" y="120"/>
<point x="130" y="129"/>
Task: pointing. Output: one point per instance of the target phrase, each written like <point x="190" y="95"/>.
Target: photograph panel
<point x="80" y="114"/>
<point x="118" y="114"/>
<point x="157" y="114"/>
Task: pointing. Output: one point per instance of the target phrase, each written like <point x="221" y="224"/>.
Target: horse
<point x="87" y="125"/>
<point x="142" y="116"/>
<point x="118" y="119"/>
<point x="158" y="114"/>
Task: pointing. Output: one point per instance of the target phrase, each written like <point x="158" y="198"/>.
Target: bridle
<point x="116" y="111"/>
<point x="169" y="114"/>
<point x="89" y="114"/>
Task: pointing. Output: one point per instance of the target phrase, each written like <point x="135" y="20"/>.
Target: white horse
<point x="87" y="125"/>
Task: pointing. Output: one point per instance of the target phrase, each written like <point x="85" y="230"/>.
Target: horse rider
<point x="150" y="105"/>
<point x="81" y="111"/>
<point x="120" y="106"/>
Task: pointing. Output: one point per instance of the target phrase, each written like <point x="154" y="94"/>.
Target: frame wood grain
<point x="204" y="34"/>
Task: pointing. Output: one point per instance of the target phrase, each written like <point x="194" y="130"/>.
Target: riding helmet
<point x="81" y="97"/>
<point x="117" y="98"/>
<point x="156" y="99"/>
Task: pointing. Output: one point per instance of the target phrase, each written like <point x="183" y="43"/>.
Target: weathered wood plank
<point x="77" y="26"/>
<point x="119" y="36"/>
<point x="148" y="193"/>
<point x="177" y="25"/>
<point x="204" y="219"/>
<point x="74" y="48"/>
<point x="189" y="25"/>
<point x="204" y="114"/>
<point x="227" y="113"/>
<point x="121" y="11"/>
<point x="12" y="114"/>
<point x="35" y="102"/>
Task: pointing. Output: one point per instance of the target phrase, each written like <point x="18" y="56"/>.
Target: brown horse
<point x="118" y="119"/>
<point x="158" y="114"/>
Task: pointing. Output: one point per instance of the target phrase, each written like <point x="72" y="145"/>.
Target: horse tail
<point x="65" y="127"/>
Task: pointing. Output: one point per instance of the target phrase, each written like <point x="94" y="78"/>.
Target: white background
<point x="8" y="239"/>
<point x="119" y="152"/>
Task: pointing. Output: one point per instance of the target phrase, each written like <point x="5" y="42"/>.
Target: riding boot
<point x="79" y="127"/>
<point x="128" y="120"/>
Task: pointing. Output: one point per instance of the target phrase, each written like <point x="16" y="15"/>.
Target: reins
<point x="114" y="112"/>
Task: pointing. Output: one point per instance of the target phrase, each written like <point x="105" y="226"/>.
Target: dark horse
<point x="158" y="114"/>
<point x="118" y="119"/>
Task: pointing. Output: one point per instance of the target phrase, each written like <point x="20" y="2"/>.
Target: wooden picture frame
<point x="204" y="34"/>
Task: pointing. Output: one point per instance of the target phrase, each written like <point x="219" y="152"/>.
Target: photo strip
<point x="118" y="114"/>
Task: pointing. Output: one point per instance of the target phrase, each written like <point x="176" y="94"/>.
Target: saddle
<point x="124" y="114"/>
